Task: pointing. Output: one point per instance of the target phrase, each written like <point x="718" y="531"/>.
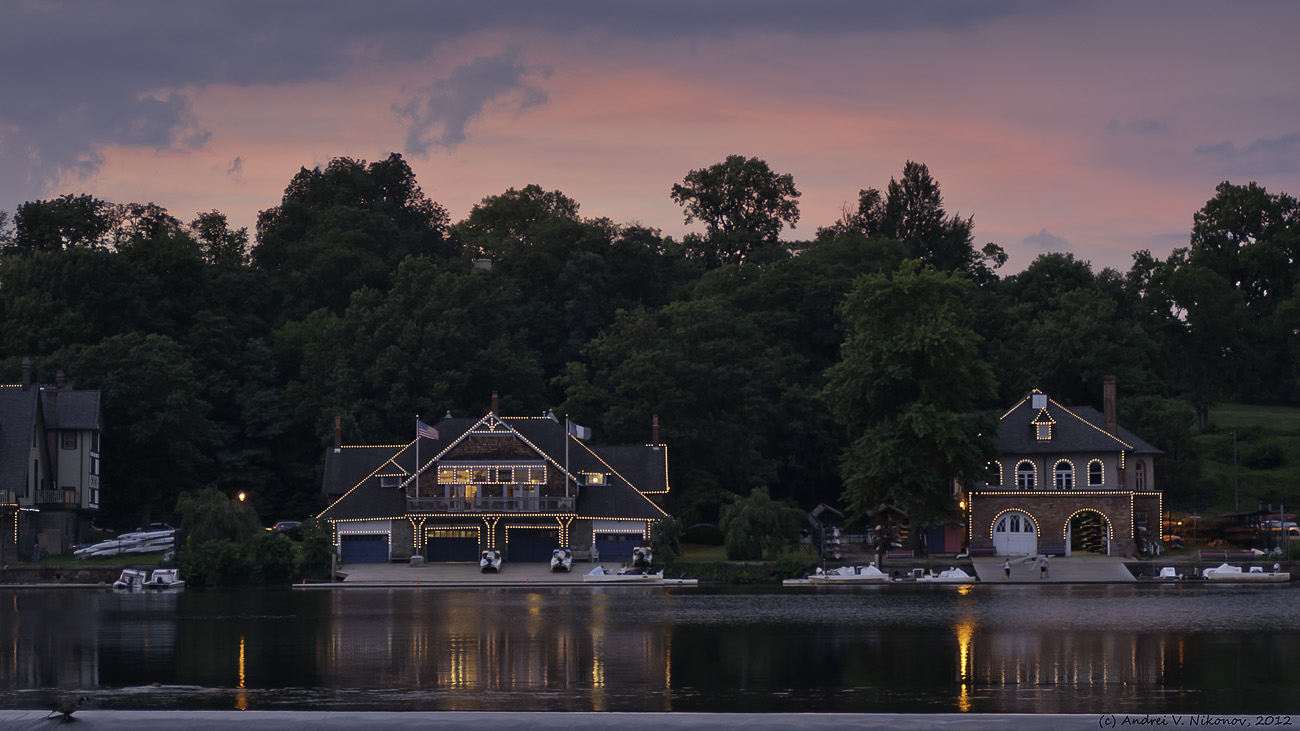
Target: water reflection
<point x="886" y="649"/>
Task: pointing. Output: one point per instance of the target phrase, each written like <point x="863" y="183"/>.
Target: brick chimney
<point x="52" y="400"/>
<point x="338" y="432"/>
<point x="495" y="405"/>
<point x="27" y="372"/>
<point x="654" y="431"/>
<point x="1108" y="405"/>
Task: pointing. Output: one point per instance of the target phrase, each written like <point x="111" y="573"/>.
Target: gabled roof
<point x="76" y="409"/>
<point x="354" y="472"/>
<point x="1074" y="429"/>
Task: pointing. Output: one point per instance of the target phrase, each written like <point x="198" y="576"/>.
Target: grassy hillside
<point x="1268" y="459"/>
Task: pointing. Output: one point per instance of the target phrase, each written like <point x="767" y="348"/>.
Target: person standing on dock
<point x="1042" y="567"/>
<point x="1006" y="566"/>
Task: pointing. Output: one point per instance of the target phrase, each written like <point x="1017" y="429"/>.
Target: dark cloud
<point x="1047" y="241"/>
<point x="448" y="106"/>
<point x="1261" y="157"/>
<point x="236" y="169"/>
<point x="79" y="76"/>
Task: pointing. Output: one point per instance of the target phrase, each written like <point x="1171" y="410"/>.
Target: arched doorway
<point x="1089" y="532"/>
<point x="1015" y="534"/>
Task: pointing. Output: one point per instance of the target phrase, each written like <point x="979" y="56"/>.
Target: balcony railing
<point x="66" y="498"/>
<point x="490" y="505"/>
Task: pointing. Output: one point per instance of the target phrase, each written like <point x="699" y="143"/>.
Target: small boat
<point x="163" y="579"/>
<point x="682" y="581"/>
<point x="490" y="562"/>
<point x="561" y="559"/>
<point x="600" y="573"/>
<point x="951" y="575"/>
<point x="131" y="580"/>
<point x="1168" y="573"/>
<point x="1228" y="572"/>
<point x="159" y="537"/>
<point x="850" y="575"/>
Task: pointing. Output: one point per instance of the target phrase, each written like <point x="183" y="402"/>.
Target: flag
<point x="580" y="432"/>
<point x="424" y="430"/>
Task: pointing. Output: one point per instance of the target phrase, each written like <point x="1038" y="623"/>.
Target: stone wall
<point x="1052" y="512"/>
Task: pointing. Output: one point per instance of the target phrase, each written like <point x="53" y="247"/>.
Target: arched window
<point x="1025" y="475"/>
<point x="995" y="473"/>
<point x="1096" y="474"/>
<point x="1139" y="476"/>
<point x="1064" y="475"/>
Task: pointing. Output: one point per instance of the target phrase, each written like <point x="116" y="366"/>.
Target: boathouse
<point x="520" y="485"/>
<point x="1067" y="480"/>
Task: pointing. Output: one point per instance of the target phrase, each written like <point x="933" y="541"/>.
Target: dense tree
<point x="743" y="204"/>
<point x="911" y="211"/>
<point x="220" y="245"/>
<point x="62" y="223"/>
<point x="909" y="382"/>
<point x="346" y="227"/>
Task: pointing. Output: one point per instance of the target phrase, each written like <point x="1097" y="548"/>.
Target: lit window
<point x="480" y="474"/>
<point x="464" y="475"/>
<point x="1025" y="476"/>
<point x="594" y="478"/>
<point x="446" y="475"/>
<point x="537" y="475"/>
<point x="1064" y="475"/>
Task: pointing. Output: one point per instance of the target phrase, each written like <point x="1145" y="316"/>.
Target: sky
<point x="1097" y="128"/>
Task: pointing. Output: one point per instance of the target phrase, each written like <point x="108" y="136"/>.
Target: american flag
<point x="424" y="430"/>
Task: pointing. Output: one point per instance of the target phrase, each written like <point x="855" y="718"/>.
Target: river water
<point x="1140" y="648"/>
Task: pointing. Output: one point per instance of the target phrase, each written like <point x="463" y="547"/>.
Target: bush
<point x="793" y="566"/>
<point x="209" y="563"/>
<point x="270" y="558"/>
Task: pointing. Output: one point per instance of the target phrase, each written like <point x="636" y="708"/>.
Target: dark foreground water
<point x="884" y="649"/>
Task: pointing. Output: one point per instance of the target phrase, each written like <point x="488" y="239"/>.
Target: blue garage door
<point x="450" y="545"/>
<point x="532" y="544"/>
<point x="365" y="549"/>
<point x="616" y="547"/>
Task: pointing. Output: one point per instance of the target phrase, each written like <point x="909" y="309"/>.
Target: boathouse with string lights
<point x="1067" y="480"/>
<point x="520" y="485"/>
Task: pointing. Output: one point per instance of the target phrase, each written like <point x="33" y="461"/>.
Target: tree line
<point x="845" y="368"/>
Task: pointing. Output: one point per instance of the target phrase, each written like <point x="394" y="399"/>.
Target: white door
<point x="1015" y="535"/>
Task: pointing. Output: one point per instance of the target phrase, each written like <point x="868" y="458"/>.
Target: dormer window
<point x="594" y="478"/>
<point x="1043" y="425"/>
<point x="390" y="480"/>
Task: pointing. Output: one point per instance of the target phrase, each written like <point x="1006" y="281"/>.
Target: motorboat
<point x="949" y="575"/>
<point x="1168" y="573"/>
<point x="490" y="562"/>
<point x="163" y="579"/>
<point x="600" y="573"/>
<point x="1228" y="572"/>
<point x="561" y="559"/>
<point x="850" y="575"/>
<point x="131" y="580"/>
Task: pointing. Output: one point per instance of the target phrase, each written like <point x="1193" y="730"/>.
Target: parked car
<point x="286" y="525"/>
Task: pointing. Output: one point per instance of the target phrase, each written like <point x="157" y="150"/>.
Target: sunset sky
<point x="1092" y="127"/>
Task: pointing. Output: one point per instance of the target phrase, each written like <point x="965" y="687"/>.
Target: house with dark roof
<point x="49" y="464"/>
<point x="520" y="485"/>
<point x="1067" y="480"/>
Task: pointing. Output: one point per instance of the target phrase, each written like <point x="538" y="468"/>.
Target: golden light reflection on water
<point x="965" y="631"/>
<point x="241" y="695"/>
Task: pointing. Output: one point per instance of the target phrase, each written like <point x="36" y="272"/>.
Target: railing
<point x="57" y="497"/>
<point x="490" y="505"/>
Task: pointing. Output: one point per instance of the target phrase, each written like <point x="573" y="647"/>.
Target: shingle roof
<point x="1074" y="428"/>
<point x="77" y="409"/>
<point x="17" y="419"/>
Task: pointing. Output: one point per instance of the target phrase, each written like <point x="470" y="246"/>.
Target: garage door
<point x="616" y="547"/>
<point x="451" y="546"/>
<point x="532" y="544"/>
<point x="364" y="549"/>
<point x="1015" y="535"/>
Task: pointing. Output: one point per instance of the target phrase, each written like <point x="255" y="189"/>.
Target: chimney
<point x="59" y="379"/>
<point x="1108" y="405"/>
<point x="338" y="432"/>
<point x="27" y="372"/>
<point x="495" y="404"/>
<point x="52" y="401"/>
<point x="654" y="431"/>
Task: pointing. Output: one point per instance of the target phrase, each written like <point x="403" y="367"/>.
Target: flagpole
<point x="417" y="456"/>
<point x="566" y="455"/>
